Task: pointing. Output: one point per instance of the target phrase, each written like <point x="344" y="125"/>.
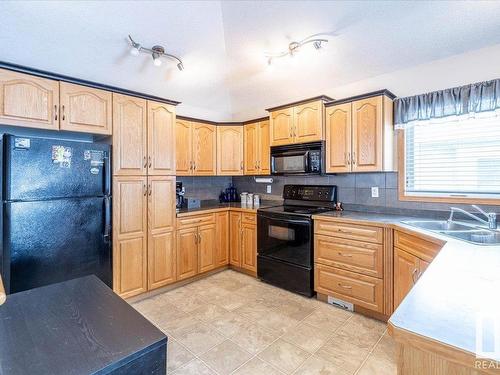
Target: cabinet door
<point x="338" y="138"/>
<point x="367" y="134"/>
<point x="161" y="259"/>
<point x="222" y="238"/>
<point x="406" y="270"/>
<point x="282" y="127"/>
<point x="308" y="122"/>
<point x="249" y="247"/>
<point x="183" y="148"/>
<point x="161" y="203"/>
<point x="187" y="252"/>
<point x="235" y="238"/>
<point x="206" y="247"/>
<point x="229" y="150"/>
<point x="28" y="101"/>
<point x="129" y="135"/>
<point x="129" y="235"/>
<point x="161" y="139"/>
<point x="251" y="148"/>
<point x="85" y="109"/>
<point x="130" y="266"/>
<point x="264" y="148"/>
<point x="204" y="149"/>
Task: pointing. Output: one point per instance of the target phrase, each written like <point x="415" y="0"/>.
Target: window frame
<point x="434" y="198"/>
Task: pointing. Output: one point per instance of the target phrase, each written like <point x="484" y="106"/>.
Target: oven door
<point x="290" y="162"/>
<point x="285" y="239"/>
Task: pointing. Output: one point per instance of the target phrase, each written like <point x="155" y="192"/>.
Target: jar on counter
<point x="256" y="200"/>
<point x="250" y="199"/>
<point x="244" y="198"/>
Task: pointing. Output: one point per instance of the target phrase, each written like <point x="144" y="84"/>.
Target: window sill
<point x="436" y="198"/>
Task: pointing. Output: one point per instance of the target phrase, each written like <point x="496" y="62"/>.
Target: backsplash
<point x="204" y="188"/>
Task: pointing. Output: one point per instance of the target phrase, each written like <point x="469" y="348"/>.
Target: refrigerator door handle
<point x="107" y="219"/>
<point x="107" y="174"/>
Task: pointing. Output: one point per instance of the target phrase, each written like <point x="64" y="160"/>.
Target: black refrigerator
<point x="56" y="219"/>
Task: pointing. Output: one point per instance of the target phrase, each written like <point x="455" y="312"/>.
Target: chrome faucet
<point x="491" y="216"/>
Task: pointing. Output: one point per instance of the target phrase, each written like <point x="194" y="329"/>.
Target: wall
<point x="354" y="191"/>
<point x="204" y="188"/>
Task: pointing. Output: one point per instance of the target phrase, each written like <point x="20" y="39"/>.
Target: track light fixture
<point x="156" y="52"/>
<point x="294" y="47"/>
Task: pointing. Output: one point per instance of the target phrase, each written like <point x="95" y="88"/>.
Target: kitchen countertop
<point x="461" y="284"/>
<point x="216" y="206"/>
<point x="77" y="327"/>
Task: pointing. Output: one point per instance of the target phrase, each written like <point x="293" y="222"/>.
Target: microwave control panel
<point x="315" y="161"/>
<point x="325" y="193"/>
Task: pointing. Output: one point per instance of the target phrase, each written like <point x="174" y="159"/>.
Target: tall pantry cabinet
<point x="144" y="195"/>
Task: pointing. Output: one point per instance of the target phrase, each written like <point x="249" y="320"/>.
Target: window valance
<point x="468" y="100"/>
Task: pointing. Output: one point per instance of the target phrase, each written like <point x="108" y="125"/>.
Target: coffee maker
<point x="179" y="195"/>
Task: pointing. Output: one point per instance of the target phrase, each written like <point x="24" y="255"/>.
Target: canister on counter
<point x="244" y="198"/>
<point x="256" y="200"/>
<point x="250" y="199"/>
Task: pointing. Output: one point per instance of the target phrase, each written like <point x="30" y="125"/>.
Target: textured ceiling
<point x="223" y="43"/>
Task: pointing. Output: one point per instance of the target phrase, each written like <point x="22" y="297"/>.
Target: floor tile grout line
<point x="370" y="353"/>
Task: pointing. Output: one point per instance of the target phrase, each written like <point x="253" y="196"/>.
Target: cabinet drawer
<point x="362" y="257"/>
<point x="349" y="231"/>
<point x="417" y="246"/>
<point x="361" y="290"/>
<point x="248" y="218"/>
<point x="192" y="221"/>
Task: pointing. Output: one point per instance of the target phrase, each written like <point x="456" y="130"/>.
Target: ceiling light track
<point x="294" y="47"/>
<point x="156" y="52"/>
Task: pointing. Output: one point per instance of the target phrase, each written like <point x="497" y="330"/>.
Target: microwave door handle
<point x="306" y="162"/>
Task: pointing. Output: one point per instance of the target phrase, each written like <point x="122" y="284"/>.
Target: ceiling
<point x="222" y="45"/>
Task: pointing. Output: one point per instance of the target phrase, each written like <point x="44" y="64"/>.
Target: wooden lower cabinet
<point x="235" y="238"/>
<point x="243" y="240"/>
<point x="130" y="266"/>
<point x="161" y="259"/>
<point x="206" y="248"/>
<point x="222" y="238"/>
<point x="249" y="247"/>
<point x="187" y="253"/>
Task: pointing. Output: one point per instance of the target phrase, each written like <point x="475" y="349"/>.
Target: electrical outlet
<point x="375" y="192"/>
<point x="268" y="189"/>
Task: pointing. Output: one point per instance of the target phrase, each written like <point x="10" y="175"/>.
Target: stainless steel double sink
<point x="462" y="231"/>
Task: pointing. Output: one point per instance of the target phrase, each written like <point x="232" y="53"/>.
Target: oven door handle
<point x="288" y="221"/>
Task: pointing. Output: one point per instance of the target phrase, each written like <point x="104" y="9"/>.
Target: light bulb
<point x="156" y="61"/>
<point x="134" y="51"/>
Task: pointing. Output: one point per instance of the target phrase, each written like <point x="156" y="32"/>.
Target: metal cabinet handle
<point x="55" y="112"/>
<point x="241" y="165"/>
<point x="150" y="190"/>
<point x="258" y="164"/>
<point x="145" y="161"/>
<point x="144" y="190"/>
<point x="353" y="158"/>
<point x="344" y="286"/>
<point x="63" y="113"/>
<point x="199" y="238"/>
<point x="194" y="165"/>
<point x="414" y="275"/>
<point x="195" y="238"/>
<point x="150" y="161"/>
<point x="294" y="131"/>
<point x="344" y="255"/>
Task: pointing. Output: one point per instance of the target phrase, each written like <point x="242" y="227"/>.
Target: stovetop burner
<point x="297" y="210"/>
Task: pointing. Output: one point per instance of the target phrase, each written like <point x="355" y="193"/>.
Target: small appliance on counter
<point x="179" y="195"/>
<point x="285" y="237"/>
<point x="228" y="195"/>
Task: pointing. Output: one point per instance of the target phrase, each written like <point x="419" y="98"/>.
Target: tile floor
<point x="230" y="323"/>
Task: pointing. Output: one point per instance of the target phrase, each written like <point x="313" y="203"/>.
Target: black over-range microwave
<point x="298" y="159"/>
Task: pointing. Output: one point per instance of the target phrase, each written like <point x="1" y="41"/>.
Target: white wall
<point x="474" y="66"/>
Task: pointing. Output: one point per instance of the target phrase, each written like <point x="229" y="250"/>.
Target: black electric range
<point x="285" y="243"/>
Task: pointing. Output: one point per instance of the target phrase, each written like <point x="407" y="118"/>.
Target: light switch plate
<point x="268" y="189"/>
<point x="375" y="192"/>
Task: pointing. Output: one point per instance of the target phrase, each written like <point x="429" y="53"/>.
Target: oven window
<point x="281" y="233"/>
<point x="291" y="163"/>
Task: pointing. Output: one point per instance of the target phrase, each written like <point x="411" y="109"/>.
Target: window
<point x="453" y="158"/>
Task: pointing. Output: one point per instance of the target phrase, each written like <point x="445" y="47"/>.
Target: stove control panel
<point x="323" y="193"/>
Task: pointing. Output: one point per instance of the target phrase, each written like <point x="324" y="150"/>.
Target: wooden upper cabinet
<point x="282" y="127"/>
<point x="338" y="138"/>
<point x="308" y="122"/>
<point x="229" y="150"/>
<point x="204" y="149"/>
<point x="85" y="109"/>
<point x="264" y="148"/>
<point x="129" y="135"/>
<point x="222" y="238"/>
<point x="183" y="147"/>
<point x="28" y="101"/>
<point x="367" y="134"/>
<point x="251" y="148"/>
<point x="161" y="139"/>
